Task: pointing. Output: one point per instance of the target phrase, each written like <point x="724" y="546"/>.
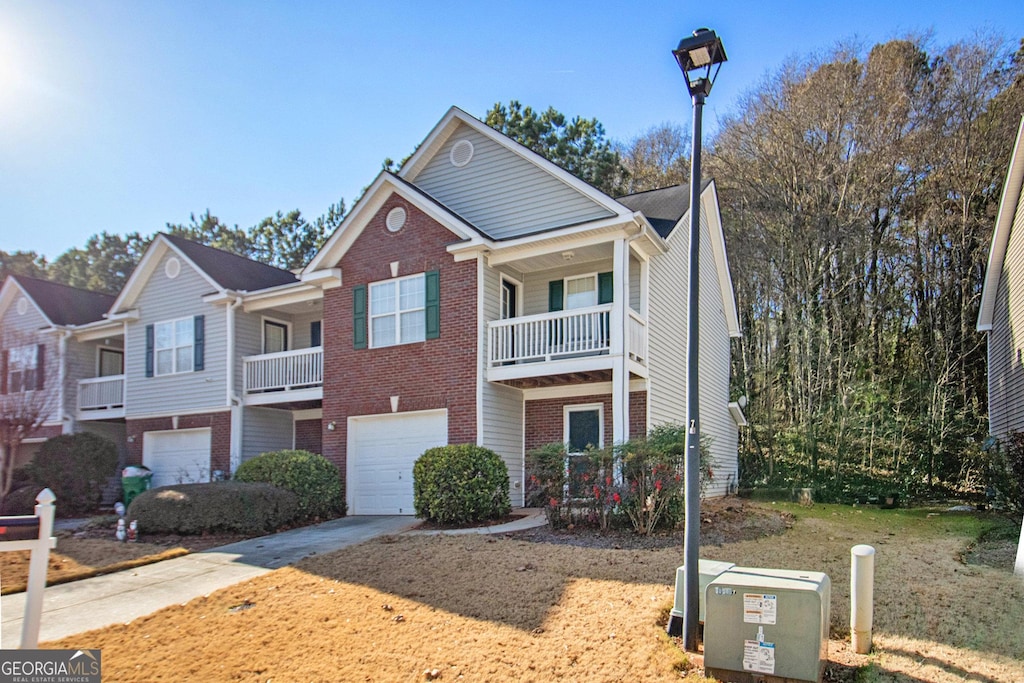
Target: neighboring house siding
<point x="502" y="193"/>
<point x="266" y="429"/>
<point x="164" y="299"/>
<point x="1005" y="369"/>
<point x="23" y="330"/>
<point x="428" y="375"/>
<point x="667" y="351"/>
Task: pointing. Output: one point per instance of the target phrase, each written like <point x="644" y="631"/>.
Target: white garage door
<point x="177" y="457"/>
<point x="381" y="453"/>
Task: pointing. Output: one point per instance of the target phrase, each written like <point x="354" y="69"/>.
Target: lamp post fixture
<point x="696" y="56"/>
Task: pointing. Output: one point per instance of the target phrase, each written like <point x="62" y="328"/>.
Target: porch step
<point x="112" y="492"/>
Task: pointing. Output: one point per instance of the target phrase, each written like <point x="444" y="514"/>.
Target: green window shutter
<point x="433" y="303"/>
<point x="556" y="295"/>
<point x="150" y="342"/>
<point x="198" y="342"/>
<point x="359" y="317"/>
<point x="605" y="288"/>
<point x="40" y="367"/>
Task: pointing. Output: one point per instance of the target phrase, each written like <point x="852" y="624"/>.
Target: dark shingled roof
<point x="231" y="271"/>
<point x="65" y="305"/>
<point x="663" y="207"/>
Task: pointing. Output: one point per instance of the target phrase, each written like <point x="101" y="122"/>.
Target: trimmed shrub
<point x="460" y="484"/>
<point x="232" y="507"/>
<point x="75" y="467"/>
<point x="21" y="501"/>
<point x="309" y="476"/>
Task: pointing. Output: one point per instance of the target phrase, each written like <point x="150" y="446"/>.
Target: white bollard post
<point x="1018" y="566"/>
<point x="862" y="597"/>
<point x="37" y="569"/>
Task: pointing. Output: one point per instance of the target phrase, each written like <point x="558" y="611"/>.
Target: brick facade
<point x="545" y="418"/>
<point x="308" y="436"/>
<point x="436" y="373"/>
<point x="220" y="435"/>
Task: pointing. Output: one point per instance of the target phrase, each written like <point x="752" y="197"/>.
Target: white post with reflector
<point x="862" y="597"/>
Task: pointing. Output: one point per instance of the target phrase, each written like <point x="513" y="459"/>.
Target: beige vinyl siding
<point x="635" y="283"/>
<point x="502" y="193"/>
<point x="83" y="363"/>
<point x="1006" y="338"/>
<point x="502" y="406"/>
<point x="248" y="342"/>
<point x="164" y="299"/>
<point x="266" y="429"/>
<point x="300" y="329"/>
<point x="667" y="351"/>
<point x="24" y="330"/>
<point x="536" y="295"/>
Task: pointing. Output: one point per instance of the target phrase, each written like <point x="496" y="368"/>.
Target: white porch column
<point x="619" y="352"/>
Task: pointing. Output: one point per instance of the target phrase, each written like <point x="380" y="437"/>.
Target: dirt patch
<point x="514" y="608"/>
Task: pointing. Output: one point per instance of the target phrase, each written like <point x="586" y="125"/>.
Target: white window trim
<point x="33" y="353"/>
<point x="288" y="346"/>
<point x="101" y="348"/>
<point x="519" y="294"/>
<point x="396" y="314"/>
<point x="174" y="348"/>
<point x="581" y="276"/>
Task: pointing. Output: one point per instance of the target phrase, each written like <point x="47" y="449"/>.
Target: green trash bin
<point x="134" y="480"/>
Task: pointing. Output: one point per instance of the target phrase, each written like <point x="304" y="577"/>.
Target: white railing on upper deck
<point x="101" y="393"/>
<point x="284" y="371"/>
<point x="550" y="336"/>
<point x="636" y="337"/>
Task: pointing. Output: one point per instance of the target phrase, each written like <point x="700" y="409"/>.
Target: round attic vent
<point x="462" y="152"/>
<point x="22" y="306"/>
<point x="395" y="219"/>
<point x="172" y="268"/>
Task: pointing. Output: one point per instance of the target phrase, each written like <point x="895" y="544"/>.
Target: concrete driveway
<point x="119" y="598"/>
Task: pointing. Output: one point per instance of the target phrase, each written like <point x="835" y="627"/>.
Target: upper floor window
<point x="23" y="368"/>
<point x="175" y="346"/>
<point x="397" y="310"/>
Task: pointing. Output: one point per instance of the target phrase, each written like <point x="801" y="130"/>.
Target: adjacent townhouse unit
<point x="1001" y="315"/>
<point x="47" y="369"/>
<point x="487" y="296"/>
<point x="219" y="366"/>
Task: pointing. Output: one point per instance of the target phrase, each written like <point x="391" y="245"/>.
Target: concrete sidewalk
<point x="119" y="598"/>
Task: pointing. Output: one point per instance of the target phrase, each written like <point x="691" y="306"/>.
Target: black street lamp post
<point x="696" y="56"/>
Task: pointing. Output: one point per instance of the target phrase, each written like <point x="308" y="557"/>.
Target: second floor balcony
<point x="285" y="376"/>
<point x="101" y="397"/>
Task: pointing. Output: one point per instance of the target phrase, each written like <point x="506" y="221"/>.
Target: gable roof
<point x="663" y="207"/>
<point x="223" y="270"/>
<point x="63" y="305"/>
<point x="1001" y="234"/>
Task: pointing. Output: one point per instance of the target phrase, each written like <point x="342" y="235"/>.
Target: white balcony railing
<point x="283" y="371"/>
<point x="636" y="337"/>
<point x="101" y="393"/>
<point x="550" y="336"/>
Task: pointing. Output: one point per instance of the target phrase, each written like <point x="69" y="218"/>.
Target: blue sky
<point x="123" y="115"/>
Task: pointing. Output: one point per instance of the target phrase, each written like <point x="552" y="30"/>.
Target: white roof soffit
<point x="1001" y="233"/>
<point x="350" y="229"/>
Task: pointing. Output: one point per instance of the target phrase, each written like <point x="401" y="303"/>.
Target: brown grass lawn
<point x="481" y="608"/>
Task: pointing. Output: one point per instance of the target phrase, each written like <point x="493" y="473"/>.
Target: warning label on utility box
<point x="759" y="609"/>
<point x="758" y="656"/>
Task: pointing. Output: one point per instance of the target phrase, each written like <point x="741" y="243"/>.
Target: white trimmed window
<point x="398" y="311"/>
<point x="22" y="363"/>
<point x="173" y="346"/>
<point x="581" y="292"/>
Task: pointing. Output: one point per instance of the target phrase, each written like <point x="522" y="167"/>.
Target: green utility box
<point x="767" y="626"/>
<point x="134" y="480"/>
<point x="707" y="571"/>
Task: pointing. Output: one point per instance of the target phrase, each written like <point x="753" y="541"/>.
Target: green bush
<point x="21" y="501"/>
<point x="459" y="484"/>
<point x="75" y="467"/>
<point x="309" y="476"/>
<point x="219" y="507"/>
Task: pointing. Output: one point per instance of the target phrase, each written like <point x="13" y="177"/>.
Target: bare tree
<point x="28" y="396"/>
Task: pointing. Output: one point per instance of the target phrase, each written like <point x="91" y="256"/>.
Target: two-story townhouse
<point x="487" y="296"/>
<point x="44" y="365"/>
<point x="210" y="377"/>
